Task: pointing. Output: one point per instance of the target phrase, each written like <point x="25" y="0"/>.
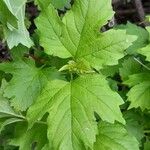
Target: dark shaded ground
<point x="134" y="11"/>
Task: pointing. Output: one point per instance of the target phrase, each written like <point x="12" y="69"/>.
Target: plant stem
<point x="41" y="122"/>
<point x="141" y="63"/>
<point x="71" y="75"/>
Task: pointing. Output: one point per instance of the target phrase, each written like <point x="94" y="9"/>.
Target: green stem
<point x="71" y="75"/>
<point x="41" y="122"/>
<point x="141" y="63"/>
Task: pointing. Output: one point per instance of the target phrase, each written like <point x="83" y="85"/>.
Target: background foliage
<point x="70" y="80"/>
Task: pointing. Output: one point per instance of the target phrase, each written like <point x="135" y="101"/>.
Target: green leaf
<point x="27" y="82"/>
<point x="34" y="138"/>
<point x="138" y="31"/>
<point x="9" y="121"/>
<point x="1" y="32"/>
<point x="114" y="137"/>
<point x="6" y="16"/>
<point x="137" y="79"/>
<point x="43" y="4"/>
<point x="46" y="147"/>
<point x="113" y="84"/>
<point x="71" y="107"/>
<point x="146" y="50"/>
<point x="78" y="34"/>
<point x="14" y="36"/>
<point x="134" y="124"/>
<point x="110" y="71"/>
<point x="18" y="52"/>
<point x="142" y="39"/>
<point x="147" y="145"/>
<point x="129" y="67"/>
<point x="7" y="115"/>
<point x="139" y="95"/>
<point x="58" y="4"/>
<point x="5" y="109"/>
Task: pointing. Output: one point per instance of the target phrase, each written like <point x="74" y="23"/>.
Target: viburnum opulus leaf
<point x="134" y="123"/>
<point x="71" y="107"/>
<point x="71" y="104"/>
<point x="5" y="109"/>
<point x="139" y="94"/>
<point x="140" y="32"/>
<point x="26" y="83"/>
<point x="77" y="34"/>
<point x="8" y="116"/>
<point x="19" y="34"/>
<point x="80" y="112"/>
<point x="129" y="67"/>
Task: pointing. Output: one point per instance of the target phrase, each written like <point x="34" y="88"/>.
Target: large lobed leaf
<point x="27" y="82"/>
<point x="78" y="34"/>
<point x="71" y="107"/>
